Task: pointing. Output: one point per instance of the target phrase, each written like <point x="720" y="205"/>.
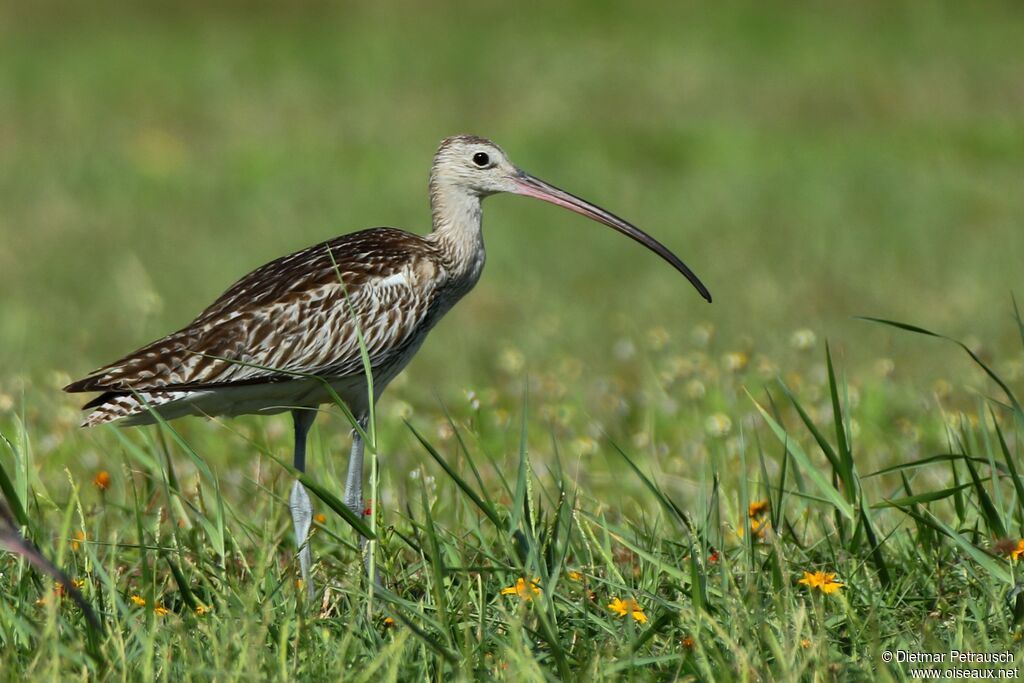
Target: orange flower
<point x="75" y="543"/>
<point x="161" y="611"/>
<point x="202" y="610"/>
<point x="101" y="480"/>
<point x="389" y="622"/>
<point x="138" y="600"/>
<point x="1018" y="551"/>
<point x="687" y="642"/>
<point x="825" y="582"/>
<point x="524" y="591"/>
<point x="320" y="518"/>
<point x="628" y="606"/>
<point x="575" y="576"/>
<point x="757" y="509"/>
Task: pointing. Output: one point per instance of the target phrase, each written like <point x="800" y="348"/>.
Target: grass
<point x="811" y="164"/>
<point x="195" y="575"/>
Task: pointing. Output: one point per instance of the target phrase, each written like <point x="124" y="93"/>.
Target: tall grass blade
<point x="1018" y="484"/>
<point x="7" y="487"/>
<point x="988" y="509"/>
<point x="519" y="499"/>
<point x="845" y="453"/>
<point x="675" y="512"/>
<point x="927" y="497"/>
<point x="931" y="460"/>
<point x="336" y="505"/>
<point x="827" y="490"/>
<point x="996" y="568"/>
<point x="484" y="507"/>
<point x="988" y="371"/>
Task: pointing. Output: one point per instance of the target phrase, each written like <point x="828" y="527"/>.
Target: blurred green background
<point x="811" y="163"/>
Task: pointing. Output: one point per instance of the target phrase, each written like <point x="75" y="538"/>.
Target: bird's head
<point x="476" y="167"/>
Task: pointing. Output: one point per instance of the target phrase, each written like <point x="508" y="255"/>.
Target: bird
<point x="286" y="337"/>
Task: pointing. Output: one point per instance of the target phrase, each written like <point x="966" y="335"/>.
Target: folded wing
<point x="298" y="315"/>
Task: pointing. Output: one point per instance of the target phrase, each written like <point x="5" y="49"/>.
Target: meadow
<point x="587" y="473"/>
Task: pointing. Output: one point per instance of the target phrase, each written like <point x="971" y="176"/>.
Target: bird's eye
<point x="481" y="159"/>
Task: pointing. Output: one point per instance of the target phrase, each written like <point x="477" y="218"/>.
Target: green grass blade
<point x="1018" y="485"/>
<point x="978" y="361"/>
<point x="522" y="470"/>
<point x="988" y="509"/>
<point x="7" y="487"/>
<point x="484" y="507"/>
<point x="826" y="489"/>
<point x="336" y="505"/>
<point x="919" y="498"/>
<point x="845" y="453"/>
<point x="924" y="462"/>
<point x="995" y="567"/>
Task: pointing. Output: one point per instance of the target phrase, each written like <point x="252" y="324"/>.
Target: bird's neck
<point x="457" y="219"/>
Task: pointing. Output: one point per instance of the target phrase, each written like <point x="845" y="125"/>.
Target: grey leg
<point x="354" y="487"/>
<point x="354" y="480"/>
<point x="298" y="502"/>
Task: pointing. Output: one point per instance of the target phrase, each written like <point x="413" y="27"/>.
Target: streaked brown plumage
<point x="275" y="337"/>
<point x="285" y="320"/>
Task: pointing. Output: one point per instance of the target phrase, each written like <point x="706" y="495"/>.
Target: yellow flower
<point x="804" y="643"/>
<point x="823" y="581"/>
<point x="389" y="622"/>
<point x="78" y="583"/>
<point x="76" y="541"/>
<point x="320" y="518"/>
<point x="524" y="591"/>
<point x="575" y="576"/>
<point x="202" y="610"/>
<point x="139" y="600"/>
<point x="1018" y="551"/>
<point x="161" y="611"/>
<point x="757" y="508"/>
<point x="628" y="606"/>
<point x="758" y="527"/>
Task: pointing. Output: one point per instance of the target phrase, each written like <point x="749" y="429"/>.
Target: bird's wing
<point x="298" y="315"/>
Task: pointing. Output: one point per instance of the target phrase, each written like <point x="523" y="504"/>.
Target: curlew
<point x="286" y="336"/>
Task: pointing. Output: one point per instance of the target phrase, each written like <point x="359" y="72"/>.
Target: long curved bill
<point x="529" y="186"/>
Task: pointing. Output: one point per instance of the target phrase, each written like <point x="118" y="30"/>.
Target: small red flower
<point x="714" y="556"/>
<point x="369" y="508"/>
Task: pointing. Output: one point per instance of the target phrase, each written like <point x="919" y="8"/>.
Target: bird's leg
<point x="298" y="501"/>
<point x="354" y="486"/>
<point x="354" y="480"/>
